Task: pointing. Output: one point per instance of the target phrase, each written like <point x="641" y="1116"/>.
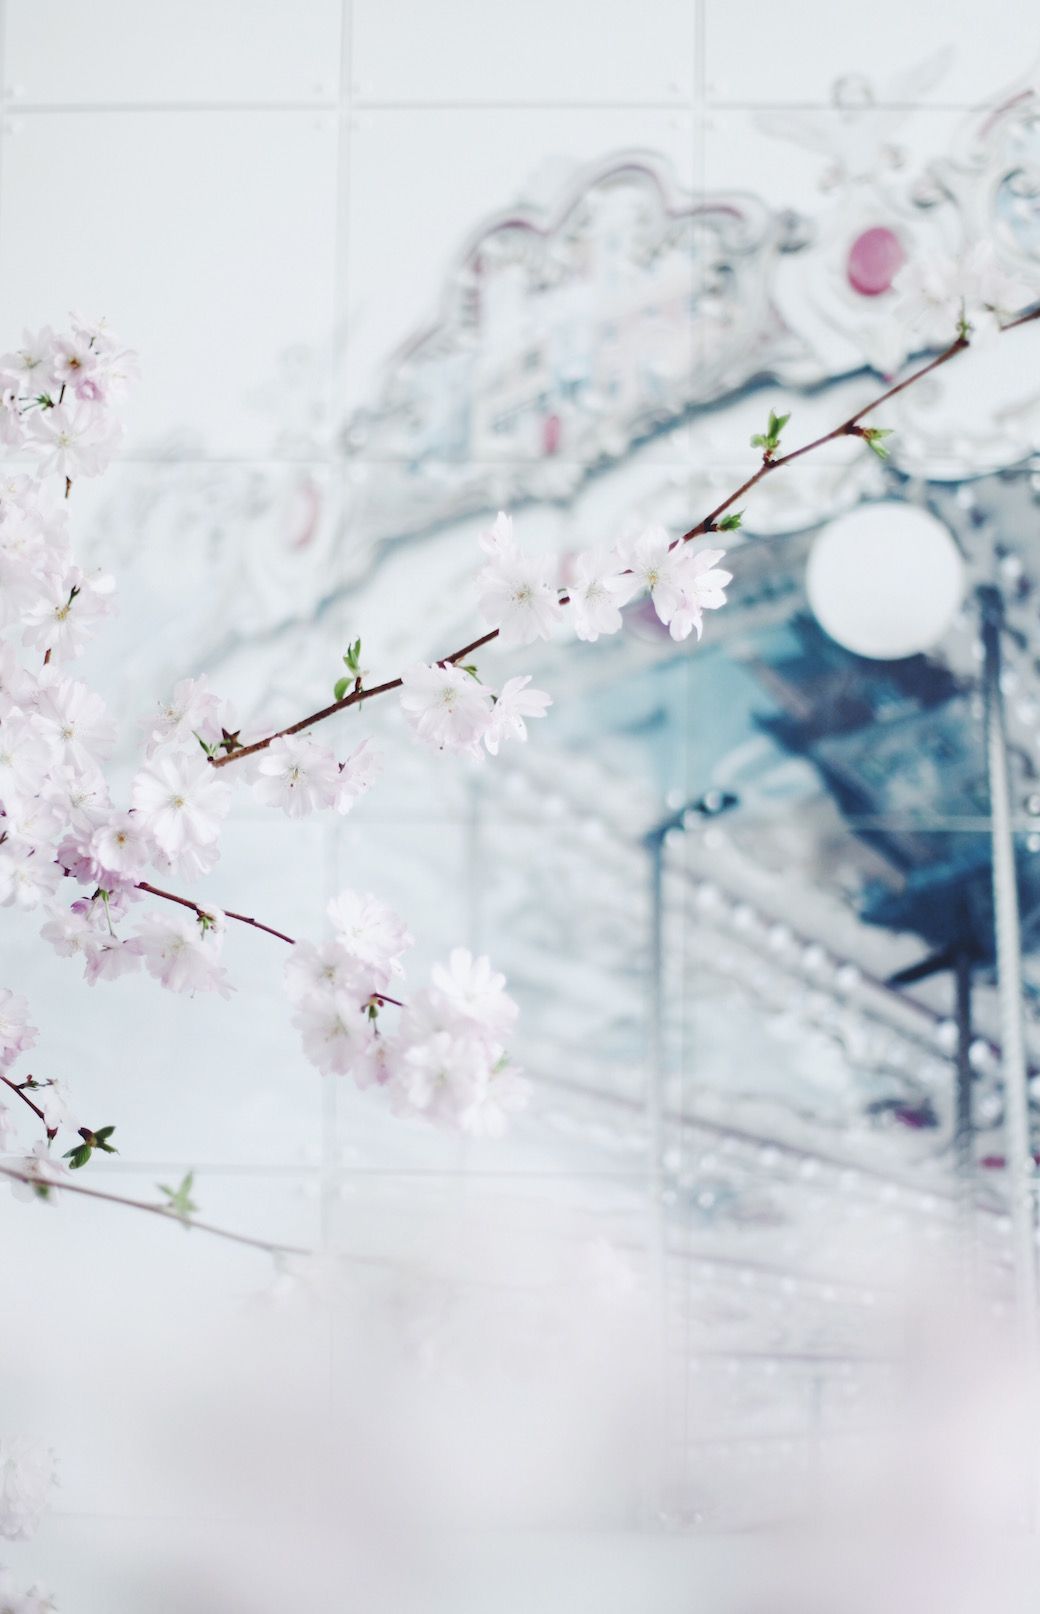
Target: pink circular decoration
<point x="875" y="258"/>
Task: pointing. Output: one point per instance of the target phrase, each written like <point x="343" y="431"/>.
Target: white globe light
<point x="886" y="580"/>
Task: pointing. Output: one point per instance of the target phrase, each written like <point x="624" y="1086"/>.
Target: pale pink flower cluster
<point x="40" y="1171"/>
<point x="59" y="821"/>
<point x="34" y="1600"/>
<point x="56" y="393"/>
<point x="16" y="1034"/>
<point x="446" y="1060"/>
<point x="28" y="1476"/>
<point x="936" y="292"/>
<point x="520" y="599"/>
<point x="518" y="593"/>
<point x="300" y="776"/>
<point x="451" y="710"/>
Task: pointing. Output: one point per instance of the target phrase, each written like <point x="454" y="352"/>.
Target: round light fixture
<point x="885" y="580"/>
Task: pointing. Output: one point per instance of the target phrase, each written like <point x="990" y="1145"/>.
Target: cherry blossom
<point x="337" y="1036"/>
<point x="27" y="876"/>
<point x="446" y="707"/>
<point x="27" y="753"/>
<point x="937" y="292"/>
<point x="55" y="1102"/>
<point x="180" y="800"/>
<point x="8" y="1128"/>
<point x="80" y="720"/>
<point x="474" y="992"/>
<point x="654" y="565"/>
<point x="32" y="364"/>
<point x="370" y="931"/>
<point x="357" y="776"/>
<point x="499" y="1093"/>
<point x="32" y="1601"/>
<point x="512" y="705"/>
<point x="72" y="441"/>
<point x="682" y="581"/>
<point x="28" y="1476"/>
<point x="597" y="591"/>
<point x="192" y="710"/>
<point x="703" y="589"/>
<point x="329" y="968"/>
<point x="40" y="1171"/>
<point x="183" y="952"/>
<point x="73" y="359"/>
<point x="121" y="845"/>
<point x="16" y="1034"/>
<point x="297" y="775"/>
<point x="64" y="617"/>
<point x="518" y="593"/>
<point x="441" y="1070"/>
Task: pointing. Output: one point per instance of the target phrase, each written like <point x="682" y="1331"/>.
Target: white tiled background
<point x="232" y="182"/>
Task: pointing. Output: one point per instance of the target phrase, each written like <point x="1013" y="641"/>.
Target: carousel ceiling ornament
<point x="579" y="339"/>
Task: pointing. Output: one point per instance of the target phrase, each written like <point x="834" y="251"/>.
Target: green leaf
<point x="340" y="687"/>
<point x="769" y="440"/>
<point x="874" y="437"/>
<point x="180" y="1202"/>
<point x="730" y="523"/>
<point x="471" y="668"/>
<point x="352" y="659"/>
<point x="79" y="1156"/>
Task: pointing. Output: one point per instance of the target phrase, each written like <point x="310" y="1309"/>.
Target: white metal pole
<point x="1020" y="1168"/>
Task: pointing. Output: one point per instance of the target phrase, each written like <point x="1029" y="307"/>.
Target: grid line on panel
<point x="700" y="126"/>
<point x="330" y="1094"/>
<point x="64" y="108"/>
<point x="3" y="96"/>
<point x="343" y="1172"/>
<point x="829" y="106"/>
<point x="523" y="104"/>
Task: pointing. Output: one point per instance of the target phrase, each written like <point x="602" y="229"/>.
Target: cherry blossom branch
<point x="23" y="1095"/>
<point x="202" y="912"/>
<point x="353" y="699"/>
<point x="770" y="462"/>
<point x="33" y="1180"/>
<point x="847" y="428"/>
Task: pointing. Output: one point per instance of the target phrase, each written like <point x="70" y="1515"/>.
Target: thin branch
<point x="203" y="912"/>
<point x="23" y="1095"/>
<point x="847" y="428"/>
<point x="355" y="697"/>
<point x="153" y="1210"/>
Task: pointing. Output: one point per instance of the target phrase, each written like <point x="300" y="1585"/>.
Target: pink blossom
<point x="515" y="702"/>
<point x="356" y="776"/>
<point x="337" y="1035"/>
<point x="371" y="932"/>
<point x="16" y="1034"/>
<point x="183" y="954"/>
<point x="446" y="707"/>
<point x="181" y="801"/>
<point x="297" y="775"/>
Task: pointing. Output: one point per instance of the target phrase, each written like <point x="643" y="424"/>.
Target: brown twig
<point x="153" y="1210"/>
<point x="847" y="428"/>
<point x="353" y="699"/>
<point x="23" y="1095"/>
<point x="206" y="913"/>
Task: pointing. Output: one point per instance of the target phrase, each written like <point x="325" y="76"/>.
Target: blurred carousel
<point x="770" y="903"/>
